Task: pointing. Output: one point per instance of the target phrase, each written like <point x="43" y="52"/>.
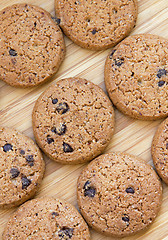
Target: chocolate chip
<point x="125" y="218"/>
<point x="161" y="72"/>
<point x="112" y="53"/>
<point x="7" y="147"/>
<point x="65" y="233"/>
<point x="67" y="147"/>
<point x="55" y="214"/>
<point x="49" y="139"/>
<point x="62" y="108"/>
<point x="61" y="129"/>
<point x="130" y="190"/>
<point x="30" y="160"/>
<point x="166" y="145"/>
<point x="94" y="31"/>
<point x="119" y="62"/>
<point x="161" y="83"/>
<point x="22" y="152"/>
<point x="14" y="172"/>
<point x="54" y="101"/>
<point x="36" y="214"/>
<point x="57" y="20"/>
<point x="35" y="24"/>
<point x="132" y="74"/>
<point x="25" y="182"/>
<point x="12" y="52"/>
<point x="89" y="190"/>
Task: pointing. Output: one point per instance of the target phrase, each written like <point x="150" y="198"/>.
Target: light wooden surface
<point x="131" y="135"/>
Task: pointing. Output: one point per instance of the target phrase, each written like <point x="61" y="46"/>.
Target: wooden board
<point x="131" y="135"/>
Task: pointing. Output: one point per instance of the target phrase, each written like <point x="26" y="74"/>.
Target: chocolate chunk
<point x="62" y="108"/>
<point x="67" y="147"/>
<point x="161" y="83"/>
<point x="7" y="147"/>
<point x="119" y="61"/>
<point x="54" y="214"/>
<point x="112" y="53"/>
<point x="130" y="190"/>
<point x="166" y="145"/>
<point x="35" y="24"/>
<point x="49" y="139"/>
<point x="36" y="214"/>
<point x="22" y="152"/>
<point x="54" y="101"/>
<point x="94" y="31"/>
<point x="132" y="74"/>
<point x="12" y="52"/>
<point x="30" y="160"/>
<point x="161" y="72"/>
<point x="14" y="172"/>
<point x="125" y="218"/>
<point x="25" y="182"/>
<point x="61" y="129"/>
<point x="65" y="233"/>
<point x="89" y="190"/>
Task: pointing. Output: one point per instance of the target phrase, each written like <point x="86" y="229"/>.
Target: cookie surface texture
<point x="160" y="150"/>
<point x="46" y="218"/>
<point x="96" y="24"/>
<point x="31" y="46"/>
<point x="22" y="168"/>
<point x="73" y="121"/>
<point x="119" y="194"/>
<point x="136" y="76"/>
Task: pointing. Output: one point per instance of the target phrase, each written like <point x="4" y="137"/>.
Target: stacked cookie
<point x="73" y="120"/>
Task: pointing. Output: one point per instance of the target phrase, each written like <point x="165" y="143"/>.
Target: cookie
<point x="119" y="194"/>
<point x="136" y="76"/>
<point x="31" y="47"/>
<point x="73" y="121"/>
<point x="160" y="150"/>
<point x="46" y="218"/>
<point x="98" y="24"/>
<point x="21" y="168"/>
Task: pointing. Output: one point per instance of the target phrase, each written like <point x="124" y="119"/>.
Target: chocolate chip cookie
<point x="96" y="24"/>
<point x="31" y="45"/>
<point x="160" y="150"/>
<point x="46" y="218"/>
<point x="73" y="121"/>
<point x="119" y="194"/>
<point x="136" y="76"/>
<point x="21" y="168"/>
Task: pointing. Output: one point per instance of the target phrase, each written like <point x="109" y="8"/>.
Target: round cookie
<point x="21" y="168"/>
<point x="73" y="121"/>
<point x="46" y="218"/>
<point x="98" y="24"/>
<point x="160" y="150"/>
<point x="31" y="45"/>
<point x="136" y="76"/>
<point x="119" y="194"/>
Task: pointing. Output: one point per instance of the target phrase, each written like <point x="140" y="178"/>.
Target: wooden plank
<point x="131" y="135"/>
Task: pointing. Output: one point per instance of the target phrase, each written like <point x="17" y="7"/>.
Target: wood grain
<point x="131" y="135"/>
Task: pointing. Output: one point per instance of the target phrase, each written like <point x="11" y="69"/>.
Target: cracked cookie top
<point x="46" y="218"/>
<point x="73" y="121"/>
<point x="119" y="194"/>
<point x="136" y="76"/>
<point x="31" y="45"/>
<point x="97" y="24"/>
<point x="160" y="150"/>
<point x="21" y="168"/>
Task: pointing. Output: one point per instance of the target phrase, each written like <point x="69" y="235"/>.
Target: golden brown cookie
<point x="96" y="24"/>
<point x="160" y="150"/>
<point x="136" y="76"/>
<point x="31" y="45"/>
<point x="46" y="218"/>
<point x="73" y="121"/>
<point x="119" y="194"/>
<point x="21" y="168"/>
